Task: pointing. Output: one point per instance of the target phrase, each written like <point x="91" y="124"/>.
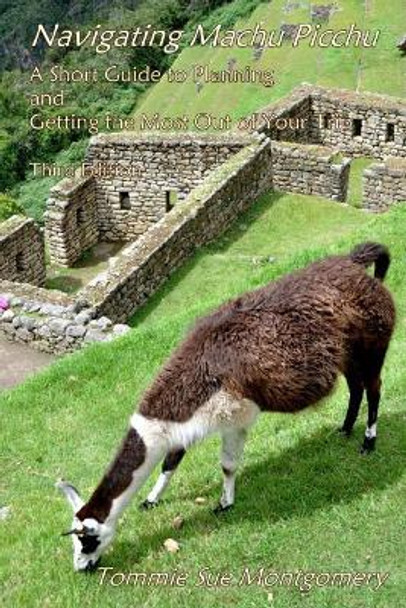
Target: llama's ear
<point x="71" y="495"/>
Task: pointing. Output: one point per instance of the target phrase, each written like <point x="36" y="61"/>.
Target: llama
<point x="279" y="348"/>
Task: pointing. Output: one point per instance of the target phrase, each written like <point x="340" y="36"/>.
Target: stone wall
<point x="71" y="220"/>
<point x="289" y="119"/>
<point x="359" y="124"/>
<point x="309" y="170"/>
<point x="384" y="184"/>
<point x="172" y="194"/>
<point x="144" y="265"/>
<point x="51" y="321"/>
<point x="139" y="178"/>
<point x="22" y="253"/>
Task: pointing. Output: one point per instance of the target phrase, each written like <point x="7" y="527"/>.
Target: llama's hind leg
<point x="373" y="387"/>
<point x="373" y="396"/>
<point x="169" y="467"/>
<point x="356" y="388"/>
<point x="233" y="441"/>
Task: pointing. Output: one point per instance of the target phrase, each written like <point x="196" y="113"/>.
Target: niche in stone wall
<point x="171" y="197"/>
<point x="80" y="216"/>
<point x="327" y="121"/>
<point x="356" y="127"/>
<point x="20" y="266"/>
<point x="125" y="202"/>
<point x="390" y="132"/>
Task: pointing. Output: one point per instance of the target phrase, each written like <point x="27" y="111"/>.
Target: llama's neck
<point x="131" y="467"/>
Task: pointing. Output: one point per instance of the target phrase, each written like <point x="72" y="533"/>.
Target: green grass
<point x="91" y="263"/>
<point x="306" y="499"/>
<point x="379" y="69"/>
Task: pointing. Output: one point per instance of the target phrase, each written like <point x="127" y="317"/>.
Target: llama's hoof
<point x="92" y="566"/>
<point x="368" y="446"/>
<point x="147" y="505"/>
<point x="220" y="509"/>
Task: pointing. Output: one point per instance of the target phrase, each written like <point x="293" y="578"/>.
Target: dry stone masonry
<point x="352" y="123"/>
<point x="359" y="124"/>
<point x="51" y="321"/>
<point x="142" y="268"/>
<point x="71" y="220"/>
<point x="22" y="252"/>
<point x="140" y="178"/>
<point x="289" y="119"/>
<point x="384" y="183"/>
<point x="309" y="170"/>
<point x="167" y="195"/>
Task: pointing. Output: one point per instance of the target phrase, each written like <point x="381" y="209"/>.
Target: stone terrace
<point x="168" y="195"/>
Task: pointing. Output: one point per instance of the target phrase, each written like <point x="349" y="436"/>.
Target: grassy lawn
<point x="379" y="69"/>
<point x="91" y="263"/>
<point x="306" y="500"/>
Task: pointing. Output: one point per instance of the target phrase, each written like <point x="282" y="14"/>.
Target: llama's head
<point x="90" y="537"/>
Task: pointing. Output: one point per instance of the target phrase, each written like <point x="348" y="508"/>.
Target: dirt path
<point x="18" y="361"/>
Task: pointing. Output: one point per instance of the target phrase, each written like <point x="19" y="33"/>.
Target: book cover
<point x="202" y="261"/>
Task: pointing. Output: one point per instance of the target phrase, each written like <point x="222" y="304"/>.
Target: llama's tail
<point x="372" y="253"/>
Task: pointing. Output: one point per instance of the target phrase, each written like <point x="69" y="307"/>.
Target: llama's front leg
<point x="232" y="449"/>
<point x="169" y="467"/>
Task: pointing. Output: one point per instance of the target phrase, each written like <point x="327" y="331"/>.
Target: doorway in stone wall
<point x="171" y="198"/>
<point x="354" y="193"/>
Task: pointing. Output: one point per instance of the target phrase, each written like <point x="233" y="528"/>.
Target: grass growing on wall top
<point x="306" y="499"/>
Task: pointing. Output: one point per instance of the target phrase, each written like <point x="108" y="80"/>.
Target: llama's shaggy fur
<point x="283" y="345"/>
<point x="279" y="348"/>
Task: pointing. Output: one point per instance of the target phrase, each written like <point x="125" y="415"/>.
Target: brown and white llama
<point x="279" y="348"/>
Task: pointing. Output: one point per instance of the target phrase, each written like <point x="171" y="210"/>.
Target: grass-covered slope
<point x="380" y="69"/>
<point x="306" y="499"/>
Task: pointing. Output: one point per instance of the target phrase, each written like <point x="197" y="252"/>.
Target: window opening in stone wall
<point x="20" y="262"/>
<point x="390" y="132"/>
<point x="125" y="202"/>
<point x="326" y="121"/>
<point x="171" y="197"/>
<point x="80" y="216"/>
<point x="356" y="127"/>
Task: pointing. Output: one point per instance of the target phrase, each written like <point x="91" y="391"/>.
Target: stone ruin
<point x="22" y="251"/>
<point x="168" y="195"/>
<point x="322" y="12"/>
<point x="289" y="30"/>
<point x="385" y="182"/>
<point x="116" y="206"/>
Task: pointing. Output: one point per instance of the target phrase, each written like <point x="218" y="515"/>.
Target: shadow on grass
<point x="65" y="283"/>
<point x="238" y="228"/>
<point x="90" y="264"/>
<point x="99" y="253"/>
<point x="321" y="471"/>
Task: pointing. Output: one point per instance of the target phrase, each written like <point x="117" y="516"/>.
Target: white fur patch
<point x="154" y="454"/>
<point x="370" y="431"/>
<point x="160" y="486"/>
<point x="222" y="411"/>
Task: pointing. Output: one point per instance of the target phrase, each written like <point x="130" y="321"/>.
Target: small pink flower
<point x="4" y="304"/>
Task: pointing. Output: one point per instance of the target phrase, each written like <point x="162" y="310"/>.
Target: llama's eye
<point x="89" y="543"/>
